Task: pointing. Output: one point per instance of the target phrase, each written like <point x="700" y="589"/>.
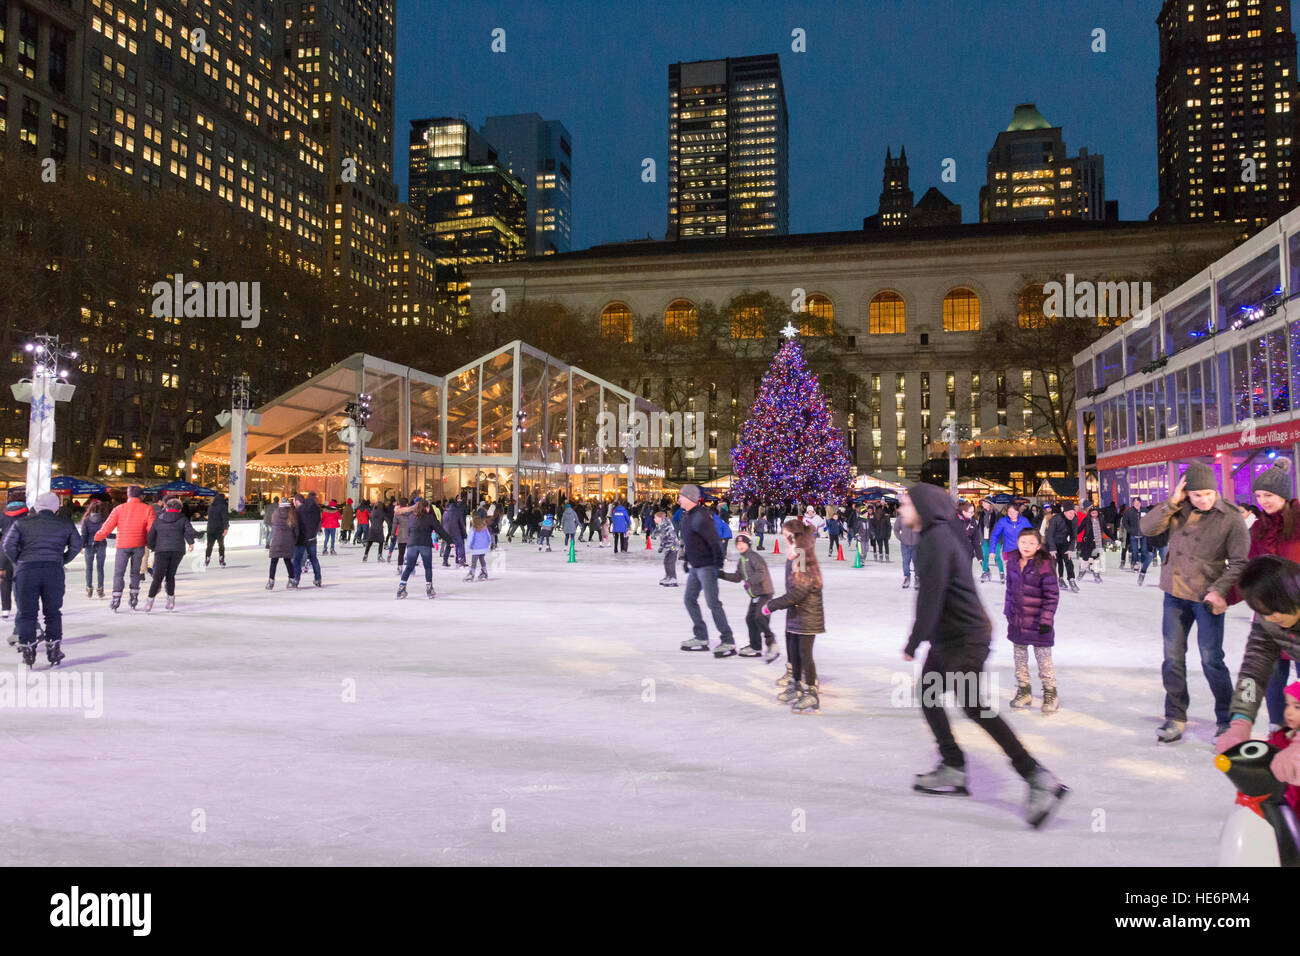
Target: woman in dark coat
<point x="1032" y="595"/>
<point x="284" y="533"/>
<point x="375" y="533"/>
<point x="218" y="525"/>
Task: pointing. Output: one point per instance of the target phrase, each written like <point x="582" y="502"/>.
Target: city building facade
<point x="540" y="155"/>
<point x="728" y="148"/>
<point x="1030" y="177"/>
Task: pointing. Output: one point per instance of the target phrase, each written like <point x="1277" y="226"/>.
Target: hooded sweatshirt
<point x="948" y="609"/>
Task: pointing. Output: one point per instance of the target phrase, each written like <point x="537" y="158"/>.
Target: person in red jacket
<point x="131" y="520"/>
<point x="1276" y="531"/>
<point x="329" y="523"/>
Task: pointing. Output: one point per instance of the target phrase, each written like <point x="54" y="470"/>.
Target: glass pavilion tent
<point x="515" y="421"/>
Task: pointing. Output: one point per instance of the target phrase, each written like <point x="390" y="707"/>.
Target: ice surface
<point x="512" y="722"/>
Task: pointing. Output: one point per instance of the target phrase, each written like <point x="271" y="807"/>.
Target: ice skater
<point x="751" y="570"/>
<point x="703" y="558"/>
<point x="667" y="536"/>
<point x="805" y="616"/>
<point x="131" y="520"/>
<point x="1033" y="592"/>
<point x="39" y="545"/>
<point x="419" y="547"/>
<point x="168" y="538"/>
<point x="950" y="617"/>
<point x="480" y="543"/>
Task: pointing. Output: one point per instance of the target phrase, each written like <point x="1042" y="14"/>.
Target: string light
<point x="320" y="470"/>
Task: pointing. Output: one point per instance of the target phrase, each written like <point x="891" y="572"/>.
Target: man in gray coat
<point x="1208" y="549"/>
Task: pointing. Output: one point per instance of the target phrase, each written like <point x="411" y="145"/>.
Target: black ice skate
<point x="28" y="652"/>
<point x="317" y="582"/>
<point x="1074" y="586"/>
<point x="135" y="599"/>
<point x="90" y="592"/>
<point x="222" y="561"/>
<point x="1096" y="576"/>
<point x="101" y="592"/>
<point x="482" y="576"/>
<point x="401" y="590"/>
<point x="907" y="583"/>
<point x="943" y="780"/>
<point x="270" y="584"/>
<point x="1045" y="795"/>
<point x="428" y="591"/>
<point x="985" y="578"/>
<point x="54" y="653"/>
<point x="117" y="601"/>
<point x="1002" y="577"/>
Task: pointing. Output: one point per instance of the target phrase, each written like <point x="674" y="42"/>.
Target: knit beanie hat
<point x="1293" y="689"/>
<point x="1276" y="480"/>
<point x="48" y="501"/>
<point x="1200" y="477"/>
<point x="690" y="492"/>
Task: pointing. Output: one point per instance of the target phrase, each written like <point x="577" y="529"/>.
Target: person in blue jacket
<point x="724" y="531"/>
<point x="1006" y="533"/>
<point x="619" y="522"/>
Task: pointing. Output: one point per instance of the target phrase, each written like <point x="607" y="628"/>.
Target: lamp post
<point x="43" y="392"/>
<point x="239" y="418"/>
<point x="355" y="435"/>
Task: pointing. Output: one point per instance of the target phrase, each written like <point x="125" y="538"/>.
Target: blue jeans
<point x="1179" y="614"/>
<point x="415" y="553"/>
<point x="303" y="553"/>
<point x="706" y="580"/>
<point x="908" y="551"/>
<point x="1275" y="696"/>
<point x="328" y="543"/>
<point x="1137" y="548"/>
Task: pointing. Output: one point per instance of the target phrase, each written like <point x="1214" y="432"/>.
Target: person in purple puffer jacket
<point x="1032" y="595"/>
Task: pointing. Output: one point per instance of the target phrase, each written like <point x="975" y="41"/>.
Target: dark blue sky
<point x="941" y="76"/>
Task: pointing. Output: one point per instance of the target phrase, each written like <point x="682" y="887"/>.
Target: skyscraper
<point x="727" y="148"/>
<point x="469" y="207"/>
<point x="347" y="49"/>
<point x="540" y="155"/>
<point x="1224" y="96"/>
<point x="1029" y="175"/>
<point x="896" y="194"/>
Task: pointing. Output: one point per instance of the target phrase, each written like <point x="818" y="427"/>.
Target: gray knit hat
<point x="1276" y="480"/>
<point x="690" y="492"/>
<point x="1200" y="477"/>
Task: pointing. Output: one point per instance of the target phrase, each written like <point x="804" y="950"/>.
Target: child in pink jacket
<point x="1286" y="764"/>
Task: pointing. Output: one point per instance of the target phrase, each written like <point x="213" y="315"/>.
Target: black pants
<point x="219" y="539"/>
<point x="288" y="563"/>
<point x="964" y="667"/>
<point x="757" y="622"/>
<point x="401" y="553"/>
<point x="379" y="554"/>
<point x="7" y="582"/>
<point x="670" y="563"/>
<point x="835" y="539"/>
<point x="165" y="564"/>
<point x="799" y="652"/>
<point x="39" y="586"/>
<point x="620" y="541"/>
<point x="1064" y="563"/>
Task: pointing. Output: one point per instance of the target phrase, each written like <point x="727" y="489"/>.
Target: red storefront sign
<point x="1285" y="433"/>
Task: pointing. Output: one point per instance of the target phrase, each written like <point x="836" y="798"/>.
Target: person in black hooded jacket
<point x="951" y="618"/>
<point x="218" y="525"/>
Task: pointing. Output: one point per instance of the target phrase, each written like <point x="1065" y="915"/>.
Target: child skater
<point x="480" y="543"/>
<point x="752" y="571"/>
<point x="544" y="531"/>
<point x="804" y="617"/>
<point x="1030" y="606"/>
<point x="667" y="536"/>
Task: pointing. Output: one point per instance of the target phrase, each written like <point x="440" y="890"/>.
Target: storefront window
<point x="1140" y="347"/>
<point x="462" y="413"/>
<point x="1258" y="351"/>
<point x="1083" y="379"/>
<point x="1240" y="384"/>
<point x="1195" y="400"/>
<point x="385" y="399"/>
<point x="1107" y="425"/>
<point x="1123" y="419"/>
<point x="1180" y="399"/>
<point x="1293" y="244"/>
<point x="532" y="401"/>
<point x="1109" y="369"/>
<point x="1138" y="400"/>
<point x="586" y="418"/>
<point x="425" y="418"/>
<point x="1279" y="381"/>
<point x="1249" y="285"/>
<point x="497" y="432"/>
<point x="557" y="418"/>
<point x="1211" y="394"/>
<point x="1158" y="406"/>
<point x="1224" y="385"/>
<point x="1188" y="323"/>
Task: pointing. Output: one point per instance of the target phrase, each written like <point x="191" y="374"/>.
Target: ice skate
<point x="784" y="679"/>
<point x="985" y="578"/>
<point x="790" y="693"/>
<point x="1074" y="586"/>
<point x="207" y="561"/>
<point x="148" y="604"/>
<point x="695" y="644"/>
<point x="28" y="652"/>
<point x="171" y="602"/>
<point x="117" y="601"/>
<point x="1002" y="577"/>
<point x="725" y="649"/>
<point x="4" y="615"/>
<point x="428" y="591"/>
<point x="270" y="585"/>
<point x="366" y="557"/>
<point x="1096" y="576"/>
<point x="1142" y="576"/>
<point x="907" y="583"/>
<point x="482" y="576"/>
<point x="548" y="547"/>
<point x="771" y="653"/>
<point x="1221" y="729"/>
<point x="943" y="780"/>
<point x="54" y="652"/>
<point x="809" y="702"/>
<point x="1024" y="698"/>
<point x="1050" y="704"/>
<point x="135" y="599"/>
<point x="13" y="638"/>
<point x="90" y="592"/>
<point x="317" y="583"/>
<point x="748" y="651"/>
<point x="401" y="590"/>
<point x="1045" y="795"/>
<point x="222" y="561"/>
<point x="469" y="577"/>
<point x="1170" y="731"/>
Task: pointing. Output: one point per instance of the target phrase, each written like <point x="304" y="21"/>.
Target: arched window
<point x="819" y="319"/>
<point x="616" y="322"/>
<point x="887" y="314"/>
<point x="681" y="319"/>
<point x="961" y="311"/>
<point x="1029" y="307"/>
<point x="747" y="321"/>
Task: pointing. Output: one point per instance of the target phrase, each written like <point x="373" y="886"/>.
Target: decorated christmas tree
<point x="789" y="447"/>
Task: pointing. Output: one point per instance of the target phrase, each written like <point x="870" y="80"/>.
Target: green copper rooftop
<point x="1027" y="117"/>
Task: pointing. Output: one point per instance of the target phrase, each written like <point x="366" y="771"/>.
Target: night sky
<point x="942" y="77"/>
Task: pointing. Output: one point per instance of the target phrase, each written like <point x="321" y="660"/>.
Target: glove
<point x="767" y="612"/>
<point x="1286" y="765"/>
<point x="1238" y="732"/>
<point x="1044" y="628"/>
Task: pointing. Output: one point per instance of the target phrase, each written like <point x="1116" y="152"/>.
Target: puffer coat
<point x="1032" y="596"/>
<point x="802" y="600"/>
<point x="282" y="534"/>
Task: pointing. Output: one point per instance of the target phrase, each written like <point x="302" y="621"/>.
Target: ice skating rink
<point x="547" y="716"/>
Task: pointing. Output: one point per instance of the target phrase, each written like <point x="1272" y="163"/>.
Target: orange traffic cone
<point x="840" y="549"/>
<point x="776" y="548"/>
<point x="647" y="542"/>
